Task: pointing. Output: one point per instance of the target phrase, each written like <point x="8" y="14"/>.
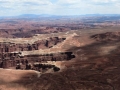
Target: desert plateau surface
<point x="60" y="53"/>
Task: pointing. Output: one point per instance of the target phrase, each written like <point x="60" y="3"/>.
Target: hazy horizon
<point x="58" y="16"/>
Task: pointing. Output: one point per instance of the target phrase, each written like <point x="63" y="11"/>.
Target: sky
<point x="59" y="7"/>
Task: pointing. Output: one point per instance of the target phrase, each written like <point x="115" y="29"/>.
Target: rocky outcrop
<point x="108" y="36"/>
<point x="11" y="54"/>
<point x="40" y="44"/>
<point x="34" y="62"/>
<point x="25" y="33"/>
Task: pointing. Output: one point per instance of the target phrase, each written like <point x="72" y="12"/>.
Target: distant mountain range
<point x="48" y="15"/>
<point x="29" y="16"/>
<point x="34" y="15"/>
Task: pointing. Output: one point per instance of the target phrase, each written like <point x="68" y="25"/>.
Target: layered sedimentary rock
<point x="25" y="33"/>
<point x="15" y="60"/>
<point x="40" y="44"/>
<point x="11" y="55"/>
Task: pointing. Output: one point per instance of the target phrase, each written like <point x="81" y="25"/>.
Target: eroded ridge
<point x="39" y="44"/>
<point x="12" y="55"/>
<point x="107" y="36"/>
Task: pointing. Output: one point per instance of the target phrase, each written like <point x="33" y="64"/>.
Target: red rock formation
<point x="106" y="36"/>
<point x="14" y="60"/>
<point x="40" y="44"/>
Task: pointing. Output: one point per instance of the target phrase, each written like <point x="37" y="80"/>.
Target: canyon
<point x="80" y="53"/>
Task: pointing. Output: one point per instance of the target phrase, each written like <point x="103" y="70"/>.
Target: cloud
<point x="14" y="7"/>
<point x="68" y="1"/>
<point x="62" y="7"/>
<point x="103" y="2"/>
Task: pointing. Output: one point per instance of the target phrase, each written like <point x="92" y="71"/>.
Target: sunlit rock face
<point x="39" y="44"/>
<point x="12" y="54"/>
